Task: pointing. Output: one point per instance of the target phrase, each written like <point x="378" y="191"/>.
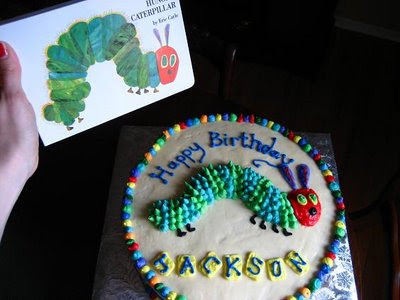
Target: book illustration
<point x="101" y="39"/>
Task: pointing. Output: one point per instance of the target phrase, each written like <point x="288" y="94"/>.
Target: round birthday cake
<point x="229" y="206"/>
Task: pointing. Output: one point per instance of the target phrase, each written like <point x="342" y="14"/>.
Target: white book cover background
<point x="109" y="96"/>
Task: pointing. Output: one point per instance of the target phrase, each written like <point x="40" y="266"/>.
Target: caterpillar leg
<point x="80" y="120"/>
<point x="253" y="219"/>
<point x="190" y="228"/>
<point x="262" y="225"/>
<point x="286" y="233"/>
<point x="138" y="92"/>
<point x="180" y="233"/>
<point x="155" y="90"/>
<point x="130" y="90"/>
<point x="145" y="91"/>
<point x="275" y="228"/>
<point x="69" y="128"/>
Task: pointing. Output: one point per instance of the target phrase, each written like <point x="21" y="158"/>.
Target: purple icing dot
<point x="282" y="129"/>
<point x="247" y="119"/>
<point x="225" y="117"/>
<point x="339" y="200"/>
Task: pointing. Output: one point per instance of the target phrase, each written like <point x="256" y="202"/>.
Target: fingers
<point x="10" y="70"/>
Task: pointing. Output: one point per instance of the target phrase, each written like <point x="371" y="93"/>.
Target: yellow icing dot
<point x="296" y="263"/>
<point x="232" y="267"/>
<point x="172" y="296"/>
<point x="186" y="265"/>
<point x="156" y="147"/>
<point x="203" y="119"/>
<point x="177" y="128"/>
<point x="164" y="264"/>
<point x="218" y="117"/>
<point x="340" y="224"/>
<point x="291" y="298"/>
<point x="328" y="261"/>
<point x="276" y="270"/>
<point x="305" y="292"/>
<point x="297" y="138"/>
<point x="210" y="265"/>
<point x="145" y="269"/>
<point x="128" y="223"/>
<point x="327" y="173"/>
<point x="270" y="124"/>
<point x="254" y="266"/>
<point x="131" y="184"/>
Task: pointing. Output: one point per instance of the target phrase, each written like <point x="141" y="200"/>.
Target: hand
<point x="19" y="141"/>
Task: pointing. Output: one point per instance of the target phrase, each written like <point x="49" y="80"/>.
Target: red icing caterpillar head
<point x="167" y="59"/>
<point x="305" y="201"/>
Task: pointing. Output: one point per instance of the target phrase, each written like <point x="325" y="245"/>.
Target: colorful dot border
<point x="156" y="289"/>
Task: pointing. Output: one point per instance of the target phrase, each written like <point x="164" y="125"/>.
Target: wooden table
<point x="116" y="277"/>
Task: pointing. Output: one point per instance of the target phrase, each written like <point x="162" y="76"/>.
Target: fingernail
<point x="3" y="50"/>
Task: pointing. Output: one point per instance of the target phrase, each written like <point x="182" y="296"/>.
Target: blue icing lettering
<point x="249" y="141"/>
<point x="161" y="261"/>
<point x="256" y="263"/>
<point x="205" y="265"/>
<point x="231" y="266"/>
<point x="187" y="264"/>
<point x="161" y="174"/>
<point x="276" y="268"/>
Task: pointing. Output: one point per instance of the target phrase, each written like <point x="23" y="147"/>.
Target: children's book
<point x="89" y="62"/>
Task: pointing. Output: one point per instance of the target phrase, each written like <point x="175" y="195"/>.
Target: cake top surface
<point x="296" y="210"/>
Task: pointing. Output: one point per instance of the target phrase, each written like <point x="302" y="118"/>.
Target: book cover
<point x="89" y="62"/>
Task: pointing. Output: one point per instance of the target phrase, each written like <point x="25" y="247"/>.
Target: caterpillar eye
<point x="313" y="198"/>
<point x="172" y="60"/>
<point x="301" y="199"/>
<point x="164" y="61"/>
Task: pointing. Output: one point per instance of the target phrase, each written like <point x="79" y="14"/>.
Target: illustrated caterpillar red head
<point x="305" y="201"/>
<point x="167" y="59"/>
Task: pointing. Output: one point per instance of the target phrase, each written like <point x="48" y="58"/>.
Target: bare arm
<point x="18" y="134"/>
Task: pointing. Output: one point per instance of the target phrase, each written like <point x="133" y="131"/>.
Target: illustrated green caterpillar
<point x="102" y="38"/>
<point x="257" y="192"/>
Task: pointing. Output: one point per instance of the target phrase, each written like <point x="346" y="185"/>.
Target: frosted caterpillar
<point x="230" y="181"/>
<point x="102" y="39"/>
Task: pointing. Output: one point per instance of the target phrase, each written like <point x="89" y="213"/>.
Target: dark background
<point x="292" y="66"/>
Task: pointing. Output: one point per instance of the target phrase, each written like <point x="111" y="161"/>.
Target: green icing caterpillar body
<point x="102" y="39"/>
<point x="231" y="181"/>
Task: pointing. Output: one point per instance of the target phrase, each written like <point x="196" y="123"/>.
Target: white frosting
<point x="225" y="227"/>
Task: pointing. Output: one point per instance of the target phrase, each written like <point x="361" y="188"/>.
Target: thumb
<point x="10" y="70"/>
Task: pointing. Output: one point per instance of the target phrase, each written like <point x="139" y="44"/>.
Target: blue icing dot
<point x="153" y="152"/>
<point x="189" y="123"/>
<point x="225" y="117"/>
<point x="264" y="122"/>
<point x="211" y="118"/>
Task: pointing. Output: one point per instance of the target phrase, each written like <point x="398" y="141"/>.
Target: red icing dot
<point x="252" y="119"/>
<point x="132" y="179"/>
<point x="329" y="178"/>
<point x="331" y="255"/>
<point x="340" y="206"/>
<point x="134" y="247"/>
<point x="240" y="119"/>
<point x="317" y="157"/>
<point x="291" y="135"/>
<point x="182" y="125"/>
